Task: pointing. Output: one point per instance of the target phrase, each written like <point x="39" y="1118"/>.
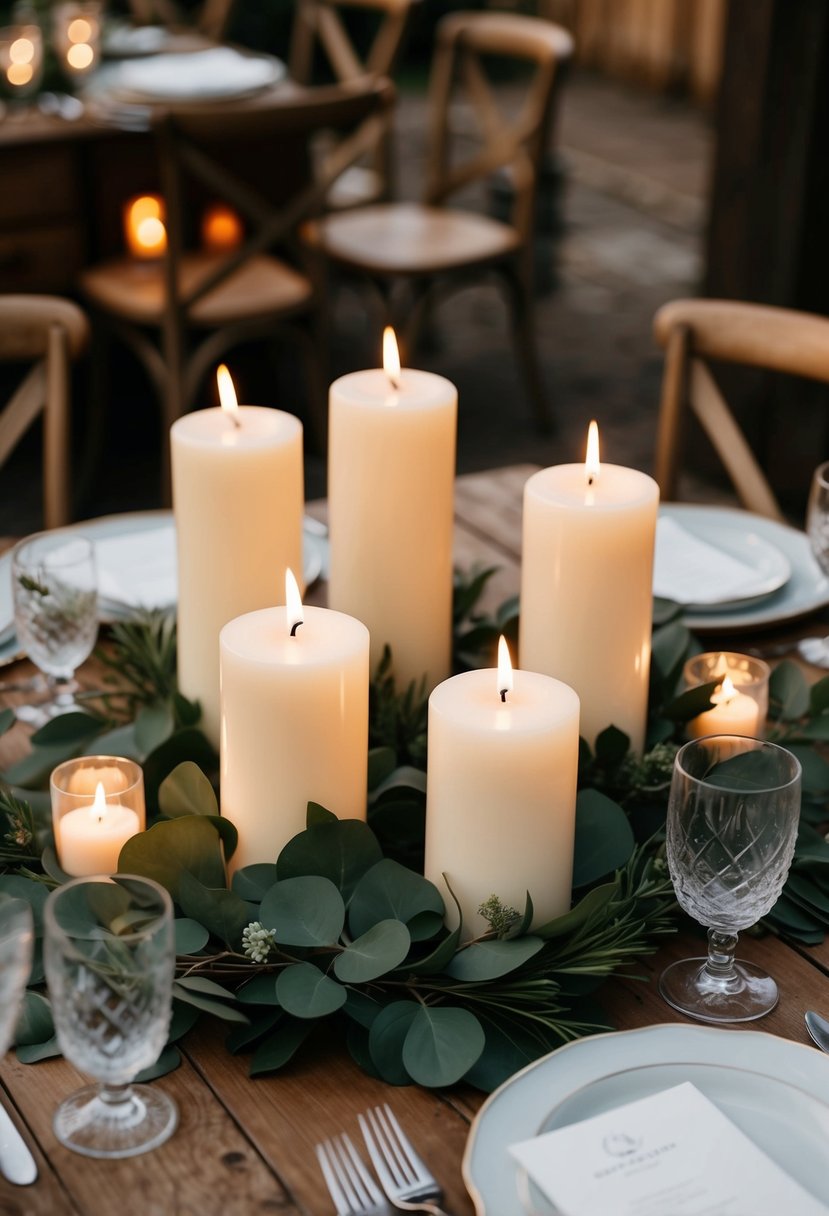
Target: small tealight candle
<point x="221" y="229"/>
<point x="91" y="838"/>
<point x="733" y="713"/>
<point x="144" y="230"/>
<point x="748" y="675"/>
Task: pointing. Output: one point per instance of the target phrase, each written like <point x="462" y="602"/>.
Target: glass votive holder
<point x="76" y="36"/>
<point x="97" y="806"/>
<point x="749" y="676"/>
<point x="144" y="232"/>
<point x="21" y="59"/>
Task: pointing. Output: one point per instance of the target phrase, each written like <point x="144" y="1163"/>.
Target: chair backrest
<point x="517" y="142"/>
<point x="50" y="332"/>
<point x="319" y="23"/>
<point x="211" y="19"/>
<point x="696" y="331"/>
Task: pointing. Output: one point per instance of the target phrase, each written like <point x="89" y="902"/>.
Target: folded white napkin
<point x="218" y="72"/>
<point x="690" y="571"/>
<point x="138" y="569"/>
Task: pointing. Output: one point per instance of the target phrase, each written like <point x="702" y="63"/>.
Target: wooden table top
<point x="246" y="1146"/>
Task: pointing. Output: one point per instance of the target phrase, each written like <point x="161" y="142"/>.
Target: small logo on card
<point x="621" y="1145"/>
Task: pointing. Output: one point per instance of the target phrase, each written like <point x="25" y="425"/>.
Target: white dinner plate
<point x="217" y="74"/>
<point x="314" y="562"/>
<point x="614" y="1068"/>
<point x="806" y="590"/>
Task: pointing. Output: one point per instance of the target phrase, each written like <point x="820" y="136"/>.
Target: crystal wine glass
<point x="109" y="958"/>
<point x="816" y="650"/>
<point x="733" y="813"/>
<point x="55" y="612"/>
<point x="16" y="938"/>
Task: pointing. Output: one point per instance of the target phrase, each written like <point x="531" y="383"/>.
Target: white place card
<point x="672" y="1154"/>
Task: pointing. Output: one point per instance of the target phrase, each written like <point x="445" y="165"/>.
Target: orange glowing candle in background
<point x="144" y="230"/>
<point x="221" y="229"/>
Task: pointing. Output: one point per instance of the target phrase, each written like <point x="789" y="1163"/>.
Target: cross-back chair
<point x="433" y="247"/>
<point x="181" y="315"/>
<point x="693" y="332"/>
<point x="51" y="332"/>
<point x="323" y="24"/>
<point x="211" y="18"/>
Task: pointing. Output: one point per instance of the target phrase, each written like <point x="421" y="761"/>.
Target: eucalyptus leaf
<point x="389" y="890"/>
<point x="360" y="1007"/>
<point x="118" y="742"/>
<point x="818" y="697"/>
<point x="604" y="839"/>
<point x="173" y="847"/>
<point x="670" y="646"/>
<point x="510" y="1046"/>
<point x="186" y="791"/>
<point x="752" y="770"/>
<point x="612" y="745"/>
<point x="32" y="893"/>
<point x="261" y="990"/>
<point x="52" y="867"/>
<point x="34" y="1022"/>
<point x="191" y="937"/>
<point x="168" y="1061"/>
<point x="207" y="1004"/>
<point x="381" y="763"/>
<point x="7" y="720"/>
<point x="306" y="911"/>
<point x="356" y="1040"/>
<point x="587" y="908"/>
<point x="71" y="728"/>
<point x="491" y="959"/>
<point x="316" y="813"/>
<point x="340" y="851"/>
<point x="306" y="992"/>
<point x="222" y="912"/>
<point x="32" y="1053"/>
<point x="399" y="782"/>
<point x="153" y="725"/>
<point x="280" y="1045"/>
<point x="387" y="1035"/>
<point x="253" y="882"/>
<point x="441" y="1045"/>
<point x="34" y="770"/>
<point x="241" y="1037"/>
<point x="440" y="958"/>
<point x="788" y="691"/>
<point x="184" y="1019"/>
<point x="691" y="703"/>
<point x="815" y="769"/>
<point x="187" y="744"/>
<point x="377" y="951"/>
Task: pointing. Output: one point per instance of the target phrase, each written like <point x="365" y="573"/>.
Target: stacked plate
<point x="772" y="1089"/>
<point x="734" y="571"/>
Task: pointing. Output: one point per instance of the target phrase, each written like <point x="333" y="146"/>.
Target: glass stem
<point x="63" y="688"/>
<point x="117" y="1097"/>
<point x="720" y="962"/>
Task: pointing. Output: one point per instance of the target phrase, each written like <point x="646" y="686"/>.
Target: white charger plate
<point x="519" y="1108"/>
<point x="806" y="590"/>
<point x="314" y="562"/>
<point x="159" y="79"/>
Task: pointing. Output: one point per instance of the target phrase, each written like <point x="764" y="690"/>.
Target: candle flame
<point x="505" y="680"/>
<point x="592" y="467"/>
<point x="99" y="807"/>
<point x="293" y="603"/>
<point x="391" y="357"/>
<point x="727" y="691"/>
<point x="227" y="394"/>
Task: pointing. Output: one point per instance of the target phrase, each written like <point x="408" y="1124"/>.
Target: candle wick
<point x="295" y="626"/>
<point x="234" y="419"/>
<point x="504" y="692"/>
<point x="394" y="381"/>
<point x="590" y="480"/>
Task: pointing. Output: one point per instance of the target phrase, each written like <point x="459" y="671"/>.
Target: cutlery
<point x="17" y="1164"/>
<point x="818" y="1028"/>
<point x="349" y="1183"/>
<point x="404" y="1177"/>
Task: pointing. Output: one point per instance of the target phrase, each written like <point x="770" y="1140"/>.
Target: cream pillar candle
<point x="501" y="793"/>
<point x="586" y="604"/>
<point x="91" y="838"/>
<point x="391" y="468"/>
<point x="733" y="713"/>
<point x="294" y="723"/>
<point x="238" y="503"/>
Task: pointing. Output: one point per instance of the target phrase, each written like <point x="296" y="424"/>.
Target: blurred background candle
<point x="501" y="792"/>
<point x="21" y="59"/>
<point x="732" y="713"/>
<point x="221" y="229"/>
<point x="586" y="577"/>
<point x="76" y="34"/>
<point x="391" y="469"/>
<point x="238" y="503"/>
<point x="294" y="722"/>
<point x="144" y="231"/>
<point x="89" y="840"/>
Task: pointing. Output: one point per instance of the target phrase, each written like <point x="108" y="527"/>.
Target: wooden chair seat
<point x="413" y="239"/>
<point x="136" y="292"/>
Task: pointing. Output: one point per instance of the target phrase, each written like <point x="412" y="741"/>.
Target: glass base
<point x="123" y="1124"/>
<point x="745" y="994"/>
<point x="814" y="651"/>
<point x="38" y="713"/>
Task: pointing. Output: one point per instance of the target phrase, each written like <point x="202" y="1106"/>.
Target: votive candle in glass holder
<point x="21" y="59"/>
<point x="97" y="806"/>
<point x="749" y="678"/>
<point x="76" y="34"/>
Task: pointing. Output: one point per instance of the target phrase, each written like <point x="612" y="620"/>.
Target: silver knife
<point x="16" y="1162"/>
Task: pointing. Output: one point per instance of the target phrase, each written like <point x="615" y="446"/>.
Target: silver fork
<point x="349" y="1183"/>
<point x="404" y="1177"/>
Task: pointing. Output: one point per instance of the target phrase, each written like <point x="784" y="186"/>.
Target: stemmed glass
<point x="733" y="814"/>
<point x="109" y="956"/>
<point x="21" y="61"/>
<point x="55" y="612"/>
<point x="816" y="650"/>
<point x="16" y="938"/>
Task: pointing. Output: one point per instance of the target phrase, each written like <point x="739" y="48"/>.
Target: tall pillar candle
<point x="238" y="502"/>
<point x="501" y="793"/>
<point x="294" y="724"/>
<point x="391" y="468"/>
<point x="586" y="579"/>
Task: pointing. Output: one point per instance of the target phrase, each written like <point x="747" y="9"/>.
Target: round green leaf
<point x="187" y="792"/>
<point x="34" y="1023"/>
<point x="169" y="848"/>
<point x="341" y="851"/>
<point x="221" y="911"/>
<point x="261" y="990"/>
<point x="604" y="839"/>
<point x="307" y="911"/>
<point x="280" y="1046"/>
<point x="442" y="1044"/>
<point x="389" y="891"/>
<point x="190" y="935"/>
<point x="377" y="952"/>
<point x="387" y="1035"/>
<point x="491" y="960"/>
<point x="252" y="882"/>
<point x="306" y="992"/>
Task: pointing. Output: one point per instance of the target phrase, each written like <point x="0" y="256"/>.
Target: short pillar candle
<point x="501" y="793"/>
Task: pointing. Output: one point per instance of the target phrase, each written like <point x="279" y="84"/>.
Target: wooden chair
<point x="211" y="19"/>
<point x="181" y="315"/>
<point x="320" y="24"/>
<point x="433" y="247"/>
<point x="52" y="332"/>
<point x="695" y="331"/>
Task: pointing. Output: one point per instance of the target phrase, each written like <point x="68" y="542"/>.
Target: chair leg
<point x="97" y="412"/>
<point x="314" y="351"/>
<point x="522" y="316"/>
<point x="57" y="511"/>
